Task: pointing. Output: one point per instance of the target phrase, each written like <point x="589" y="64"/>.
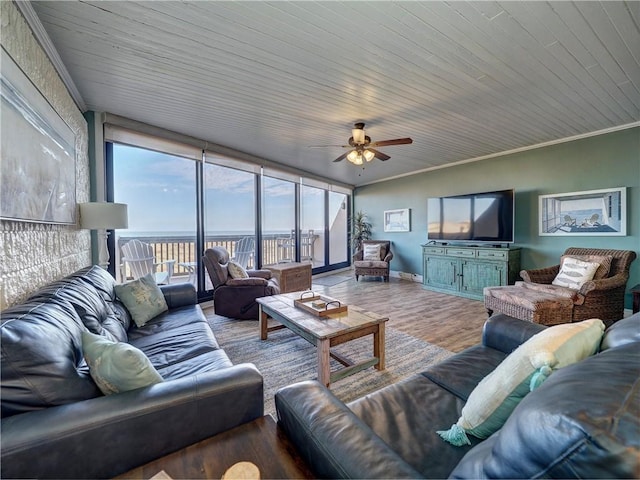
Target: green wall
<point x="604" y="161"/>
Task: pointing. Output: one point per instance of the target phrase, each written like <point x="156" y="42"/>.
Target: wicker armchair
<point x="376" y="268"/>
<point x="603" y="298"/>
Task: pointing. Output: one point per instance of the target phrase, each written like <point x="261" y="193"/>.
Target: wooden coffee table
<point x="260" y="442"/>
<point x="326" y="332"/>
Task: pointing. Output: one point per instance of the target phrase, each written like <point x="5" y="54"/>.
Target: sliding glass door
<point x="230" y="212"/>
<point x="278" y="221"/>
<point x="312" y="223"/>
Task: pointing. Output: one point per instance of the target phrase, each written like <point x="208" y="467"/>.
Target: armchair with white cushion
<point x="372" y="258"/>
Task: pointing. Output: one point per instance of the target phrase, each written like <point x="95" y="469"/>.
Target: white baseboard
<point x="412" y="277"/>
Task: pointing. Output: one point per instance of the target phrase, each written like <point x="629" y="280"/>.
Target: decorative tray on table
<point x="319" y="305"/>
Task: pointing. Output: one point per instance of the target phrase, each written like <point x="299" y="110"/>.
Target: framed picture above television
<point x="593" y="212"/>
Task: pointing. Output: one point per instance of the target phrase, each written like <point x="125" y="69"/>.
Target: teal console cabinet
<point x="465" y="271"/>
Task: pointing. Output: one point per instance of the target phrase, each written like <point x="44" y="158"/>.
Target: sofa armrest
<point x="357" y="256"/>
<point x="388" y="257"/>
<point x="110" y="435"/>
<point x="179" y="295"/>
<point x="333" y="441"/>
<point x="506" y="333"/>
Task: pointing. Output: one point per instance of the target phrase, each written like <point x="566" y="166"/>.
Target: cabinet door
<point x="441" y="272"/>
<point x="477" y="275"/>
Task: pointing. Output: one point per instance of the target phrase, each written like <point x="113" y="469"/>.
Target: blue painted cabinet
<point x="465" y="271"/>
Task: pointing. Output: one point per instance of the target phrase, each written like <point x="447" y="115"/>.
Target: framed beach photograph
<point x="38" y="168"/>
<point x="397" y="220"/>
<point x="594" y="213"/>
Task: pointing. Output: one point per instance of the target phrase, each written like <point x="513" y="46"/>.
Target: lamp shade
<point x="98" y="215"/>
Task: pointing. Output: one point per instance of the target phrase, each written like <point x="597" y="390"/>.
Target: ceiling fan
<point x="362" y="147"/>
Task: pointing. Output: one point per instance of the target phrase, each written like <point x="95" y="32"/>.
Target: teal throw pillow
<point x="497" y="395"/>
<point x="116" y="366"/>
<point x="143" y="298"/>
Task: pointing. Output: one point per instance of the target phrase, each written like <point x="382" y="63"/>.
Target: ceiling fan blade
<point x="341" y="157"/>
<point x="324" y="146"/>
<point x="396" y="141"/>
<point x="379" y="155"/>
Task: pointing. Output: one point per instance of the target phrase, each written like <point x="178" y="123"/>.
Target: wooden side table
<point x="635" y="291"/>
<point x="292" y="276"/>
<point x="260" y="442"/>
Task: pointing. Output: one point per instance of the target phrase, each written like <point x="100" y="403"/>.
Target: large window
<point x="230" y="212"/>
<point x="160" y="191"/>
<point x="278" y="221"/>
<point x="187" y="200"/>
<point x="338" y="228"/>
<point x="312" y="222"/>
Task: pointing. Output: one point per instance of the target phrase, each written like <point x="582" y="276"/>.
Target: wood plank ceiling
<point x="463" y="79"/>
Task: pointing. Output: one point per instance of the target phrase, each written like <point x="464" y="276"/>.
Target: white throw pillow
<point x="574" y="273"/>
<point x="372" y="252"/>
<point x="236" y="270"/>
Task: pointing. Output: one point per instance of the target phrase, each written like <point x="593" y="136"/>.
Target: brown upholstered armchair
<point x="236" y="297"/>
<point x="368" y="265"/>
<point x="601" y="298"/>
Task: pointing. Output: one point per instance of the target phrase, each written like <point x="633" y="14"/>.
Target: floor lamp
<point x="103" y="216"/>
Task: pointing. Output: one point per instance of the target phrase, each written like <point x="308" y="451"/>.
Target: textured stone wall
<point x="33" y="254"/>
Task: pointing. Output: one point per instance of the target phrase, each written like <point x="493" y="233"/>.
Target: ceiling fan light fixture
<point x="368" y="155"/>
<point x="355" y="157"/>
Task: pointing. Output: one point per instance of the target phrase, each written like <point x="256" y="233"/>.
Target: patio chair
<point x="592" y="221"/>
<point x="141" y="261"/>
<point x="243" y="251"/>
<point x="569" y="221"/>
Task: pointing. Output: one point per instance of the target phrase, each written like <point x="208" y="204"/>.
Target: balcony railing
<point x="276" y="248"/>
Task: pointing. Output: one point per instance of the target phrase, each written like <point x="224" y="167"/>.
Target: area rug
<point x="284" y="358"/>
<point x="330" y="280"/>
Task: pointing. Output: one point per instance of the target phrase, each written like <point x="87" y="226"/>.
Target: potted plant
<point x="361" y="230"/>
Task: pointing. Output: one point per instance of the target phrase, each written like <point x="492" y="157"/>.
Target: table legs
<point x="264" y="323"/>
<point x="378" y="346"/>
<point x="324" y="353"/>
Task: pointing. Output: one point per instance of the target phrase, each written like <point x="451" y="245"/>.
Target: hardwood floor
<point x="451" y="322"/>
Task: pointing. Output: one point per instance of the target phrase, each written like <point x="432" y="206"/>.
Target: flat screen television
<point x="473" y="218"/>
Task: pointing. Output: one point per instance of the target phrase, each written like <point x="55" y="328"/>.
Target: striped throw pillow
<point x="574" y="273"/>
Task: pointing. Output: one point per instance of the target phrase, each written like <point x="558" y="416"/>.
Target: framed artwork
<point x="38" y="168"/>
<point x="594" y="212"/>
<point x="397" y="220"/>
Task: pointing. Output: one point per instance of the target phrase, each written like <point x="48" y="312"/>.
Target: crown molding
<point x="45" y="42"/>
<point x="509" y="152"/>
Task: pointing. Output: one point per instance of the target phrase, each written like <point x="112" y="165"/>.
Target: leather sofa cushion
<point x="461" y="373"/>
<point x="173" y="337"/>
<point x="582" y="422"/>
<point x="42" y="362"/>
<point x="206" y="362"/>
<point x="622" y="332"/>
<point x="90" y="291"/>
<point x="406" y="416"/>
